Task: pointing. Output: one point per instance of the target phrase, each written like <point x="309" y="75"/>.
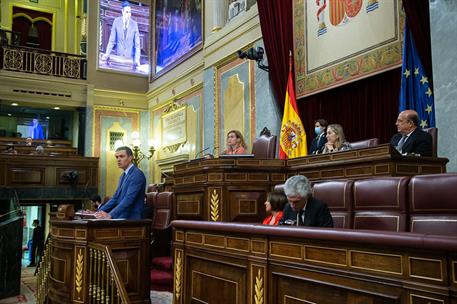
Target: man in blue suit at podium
<point x="128" y="200"/>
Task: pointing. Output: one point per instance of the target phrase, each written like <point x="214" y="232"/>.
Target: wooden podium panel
<point x="235" y="189"/>
<point x="246" y="263"/>
<point x="69" y="272"/>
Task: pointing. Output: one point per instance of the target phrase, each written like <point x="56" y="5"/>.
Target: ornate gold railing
<point x="43" y="273"/>
<point x="105" y="284"/>
<point x="37" y="61"/>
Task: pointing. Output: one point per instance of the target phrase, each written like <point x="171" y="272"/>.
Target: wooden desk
<point x="46" y="177"/>
<point x="234" y="190"/>
<point x="242" y="263"/>
<point x="128" y="242"/>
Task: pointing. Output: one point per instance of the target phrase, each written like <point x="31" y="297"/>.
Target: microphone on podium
<point x="200" y="153"/>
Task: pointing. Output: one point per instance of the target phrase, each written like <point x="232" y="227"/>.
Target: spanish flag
<point x="292" y="141"/>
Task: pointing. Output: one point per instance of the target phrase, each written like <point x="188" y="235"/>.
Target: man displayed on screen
<point x="35" y="130"/>
<point x="124" y="39"/>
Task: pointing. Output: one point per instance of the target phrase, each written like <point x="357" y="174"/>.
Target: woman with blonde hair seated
<point x="235" y="143"/>
<point x="335" y="139"/>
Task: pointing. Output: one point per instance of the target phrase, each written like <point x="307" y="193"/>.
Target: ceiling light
<point x="9" y="114"/>
<point x="56" y="108"/>
<point x="14" y="104"/>
<point x="47" y="117"/>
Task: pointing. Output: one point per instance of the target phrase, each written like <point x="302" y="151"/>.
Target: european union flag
<point x="416" y="92"/>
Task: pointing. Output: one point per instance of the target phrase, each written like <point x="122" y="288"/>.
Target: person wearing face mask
<point x="318" y="143"/>
<point x="235" y="143"/>
<point x="336" y="141"/>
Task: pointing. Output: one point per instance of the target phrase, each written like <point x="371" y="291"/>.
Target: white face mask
<point x="318" y="130"/>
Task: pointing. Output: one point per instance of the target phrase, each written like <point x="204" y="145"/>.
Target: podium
<point x="89" y="258"/>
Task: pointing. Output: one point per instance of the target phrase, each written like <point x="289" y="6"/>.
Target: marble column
<point x="443" y="20"/>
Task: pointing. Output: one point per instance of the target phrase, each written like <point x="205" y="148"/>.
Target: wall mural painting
<point x="339" y="41"/>
<point x="178" y="32"/>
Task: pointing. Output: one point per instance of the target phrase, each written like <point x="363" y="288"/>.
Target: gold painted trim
<point x="178" y="274"/>
<point x="302" y="254"/>
<point x="215" y="277"/>
<point x="264" y="246"/>
<point x="376" y="253"/>
<point x="179" y="236"/>
<point x="119" y="109"/>
<point x="214" y="206"/>
<point x="236" y="238"/>
<point x="65" y="31"/>
<point x="327" y="248"/>
<point x="188" y="213"/>
<point x="297" y="299"/>
<point x="216" y="236"/>
<point x="411" y="295"/>
<point x="193" y="233"/>
<point x="387" y="216"/>
<point x="64" y="269"/>
<point x="259" y="287"/>
<point x="79" y="272"/>
<point x="247" y="200"/>
<point x="33" y="20"/>
<point x="425" y="278"/>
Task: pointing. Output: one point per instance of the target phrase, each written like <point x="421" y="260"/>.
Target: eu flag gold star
<point x="416" y="71"/>
<point x="428" y="109"/>
<point x="406" y="73"/>
<point x="423" y="123"/>
<point x="429" y="92"/>
<point x="424" y="79"/>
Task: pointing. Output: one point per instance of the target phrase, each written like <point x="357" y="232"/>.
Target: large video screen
<point x="178" y="32"/>
<point x="124" y="36"/>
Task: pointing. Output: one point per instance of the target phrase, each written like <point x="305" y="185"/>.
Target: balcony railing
<point x="37" y="61"/>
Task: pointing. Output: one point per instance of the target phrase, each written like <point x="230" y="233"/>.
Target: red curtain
<point x="366" y="108"/>
<point x="276" y="24"/>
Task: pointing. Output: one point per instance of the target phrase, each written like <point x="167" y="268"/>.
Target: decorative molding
<point x="214" y="206"/>
<point x="174" y="148"/>
<point x="79" y="272"/>
<point x="258" y="289"/>
<point x="178" y="274"/>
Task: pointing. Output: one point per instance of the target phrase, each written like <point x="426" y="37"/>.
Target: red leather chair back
<point x="163" y="210"/>
<point x="433" y="204"/>
<point x="365" y="143"/>
<point x="381" y="203"/>
<point x="264" y="147"/>
<point x="338" y="197"/>
<point x="434" y="133"/>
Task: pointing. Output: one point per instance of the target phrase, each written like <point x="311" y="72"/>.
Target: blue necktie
<point x="401" y="142"/>
<point x="122" y="180"/>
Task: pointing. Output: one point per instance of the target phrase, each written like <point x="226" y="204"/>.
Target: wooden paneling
<point x="235" y="189"/>
<point x="270" y="265"/>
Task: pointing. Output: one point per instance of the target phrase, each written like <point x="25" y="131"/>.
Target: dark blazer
<point x="128" y="200"/>
<point x="419" y="142"/>
<point x="317" y="214"/>
<point x="128" y="46"/>
<point x="318" y="144"/>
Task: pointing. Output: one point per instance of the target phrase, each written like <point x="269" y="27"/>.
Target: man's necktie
<point x="401" y="142"/>
<point x="122" y="179"/>
<point x="300" y="218"/>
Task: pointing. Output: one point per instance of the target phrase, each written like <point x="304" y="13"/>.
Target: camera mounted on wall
<point x="254" y="54"/>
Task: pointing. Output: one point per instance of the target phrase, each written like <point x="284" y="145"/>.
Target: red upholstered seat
<point x="381" y="203"/>
<point x="365" y="143"/>
<point x="338" y="197"/>
<point x="433" y="204"/>
<point x="264" y="147"/>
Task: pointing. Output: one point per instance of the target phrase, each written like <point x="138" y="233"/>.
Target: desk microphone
<point x="199" y="153"/>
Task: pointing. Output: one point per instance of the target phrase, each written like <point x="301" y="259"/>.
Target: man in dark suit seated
<point x="303" y="209"/>
<point x="410" y="138"/>
<point x="128" y="200"/>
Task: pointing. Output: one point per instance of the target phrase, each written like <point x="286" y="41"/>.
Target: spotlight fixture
<point x="254" y="54"/>
<point x="14" y="104"/>
<point x="9" y="114"/>
<point x="56" y="108"/>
